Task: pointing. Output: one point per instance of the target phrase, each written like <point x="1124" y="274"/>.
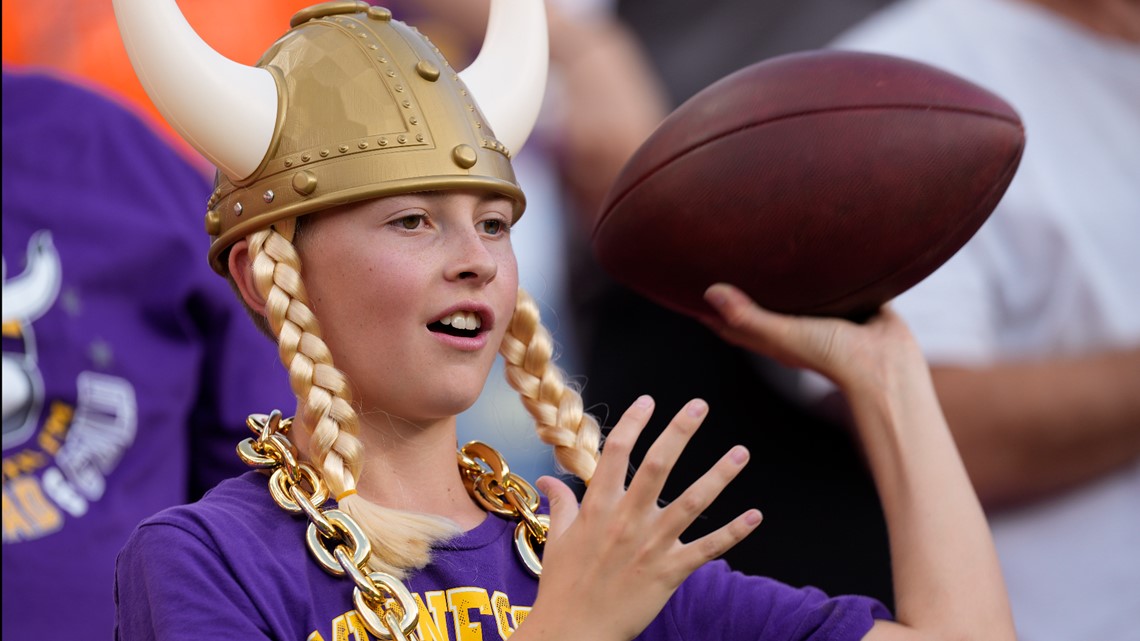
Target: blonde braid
<point x="557" y="408"/>
<point x="400" y="540"/>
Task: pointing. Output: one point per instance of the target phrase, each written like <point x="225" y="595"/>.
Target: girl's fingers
<point x="663" y="454"/>
<point x="796" y="341"/>
<point x="713" y="545"/>
<point x="681" y="513"/>
<point x="614" y="464"/>
<point x="563" y="504"/>
<point x="741" y="320"/>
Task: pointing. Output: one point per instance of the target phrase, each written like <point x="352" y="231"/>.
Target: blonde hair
<point x="556" y="407"/>
<point x="401" y="540"/>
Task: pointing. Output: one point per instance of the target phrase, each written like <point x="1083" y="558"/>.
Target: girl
<point x="363" y="209"/>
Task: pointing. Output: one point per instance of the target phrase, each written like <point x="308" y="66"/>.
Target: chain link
<point x="385" y="606"/>
<point x="341" y="548"/>
<point x="490" y="481"/>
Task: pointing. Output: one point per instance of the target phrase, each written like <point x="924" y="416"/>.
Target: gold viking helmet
<point x="348" y="105"/>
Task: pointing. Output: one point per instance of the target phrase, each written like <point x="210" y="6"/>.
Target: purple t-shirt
<point x="129" y="366"/>
<point x="235" y="566"/>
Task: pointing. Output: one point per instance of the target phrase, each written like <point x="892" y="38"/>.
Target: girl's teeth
<point x="463" y="320"/>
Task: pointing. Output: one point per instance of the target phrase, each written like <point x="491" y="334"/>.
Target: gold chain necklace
<point x="385" y="606"/>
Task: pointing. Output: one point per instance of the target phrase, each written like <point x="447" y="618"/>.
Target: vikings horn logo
<point x="26" y="298"/>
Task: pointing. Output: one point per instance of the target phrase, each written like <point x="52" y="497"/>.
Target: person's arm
<point x="948" y="582"/>
<point x="1033" y="428"/>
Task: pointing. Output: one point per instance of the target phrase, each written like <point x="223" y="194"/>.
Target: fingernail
<point x="716" y="296"/>
<point x="696" y="407"/>
<point x="738" y="454"/>
<point x="753" y="517"/>
<point x="643" y="402"/>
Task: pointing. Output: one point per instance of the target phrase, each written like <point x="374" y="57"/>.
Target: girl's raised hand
<point x="844" y="351"/>
<point x="611" y="564"/>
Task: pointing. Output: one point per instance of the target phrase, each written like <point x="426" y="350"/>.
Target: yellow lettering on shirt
<point x="460" y="601"/>
<point x="11" y="329"/>
<point x="507" y="618"/>
<point x="16" y="526"/>
<point x="59" y="419"/>
<point x="435" y="606"/>
<point x="433" y="616"/>
<point x="27" y="512"/>
<point x="23" y="462"/>
<point x="344" y="626"/>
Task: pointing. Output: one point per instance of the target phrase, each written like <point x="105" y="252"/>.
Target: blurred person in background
<point x="124" y="356"/>
<point x="1033" y="329"/>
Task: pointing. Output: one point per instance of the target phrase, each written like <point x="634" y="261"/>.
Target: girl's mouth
<point x="462" y="323"/>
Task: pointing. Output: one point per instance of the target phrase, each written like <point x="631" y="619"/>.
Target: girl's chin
<point x="428" y="410"/>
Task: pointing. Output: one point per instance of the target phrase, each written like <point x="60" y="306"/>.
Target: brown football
<point x="821" y="183"/>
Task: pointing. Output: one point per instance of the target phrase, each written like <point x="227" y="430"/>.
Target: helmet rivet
<point x="342" y="148"/>
<point x="362" y="144"/>
<point x="399" y="88"/>
<point x="419" y="137"/>
<point x="406" y="103"/>
<point x="379" y="13"/>
<point x="464" y="156"/>
<point x="324" y="153"/>
<point x="383" y="142"/>
<point x="401" y="139"/>
<point x="390" y="73"/>
<point x="414" y="120"/>
<point x="306" y="157"/>
<point x="383" y="60"/>
<point x="288" y="162"/>
<point x="304" y="183"/>
<point x="213" y="223"/>
<point x="427" y="70"/>
<point x="238" y="209"/>
<point x="268" y="196"/>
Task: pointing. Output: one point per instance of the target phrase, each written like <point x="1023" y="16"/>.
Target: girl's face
<point x="414" y="294"/>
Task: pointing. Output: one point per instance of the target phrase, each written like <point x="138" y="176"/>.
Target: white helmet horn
<point x="225" y="110"/>
<point x="508" y="78"/>
<point x="29" y="295"/>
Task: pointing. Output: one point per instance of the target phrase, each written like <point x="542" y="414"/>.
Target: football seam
<point x="653" y="171"/>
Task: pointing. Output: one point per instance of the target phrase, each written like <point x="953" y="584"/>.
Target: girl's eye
<point x="410" y="223"/>
<point x="494" y="227"/>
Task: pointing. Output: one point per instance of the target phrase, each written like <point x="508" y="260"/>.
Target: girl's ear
<point x="241" y="270"/>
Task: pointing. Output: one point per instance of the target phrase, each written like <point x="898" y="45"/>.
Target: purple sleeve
<point x="717" y="603"/>
<point x="170" y="585"/>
